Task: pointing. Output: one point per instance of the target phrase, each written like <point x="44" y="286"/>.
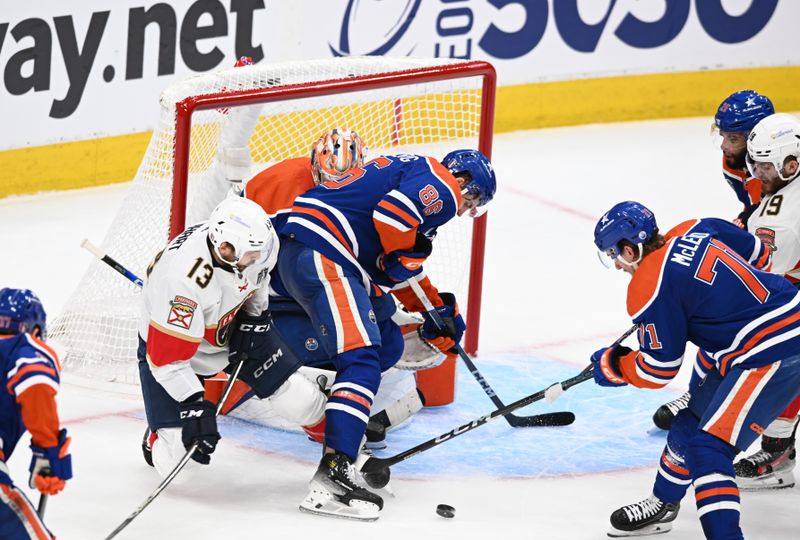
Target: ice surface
<point x="548" y="304"/>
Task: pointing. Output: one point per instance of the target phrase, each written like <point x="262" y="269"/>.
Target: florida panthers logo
<point x="181" y="312"/>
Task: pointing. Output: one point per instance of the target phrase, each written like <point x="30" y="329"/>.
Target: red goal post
<point x="398" y="105"/>
<point x="183" y="125"/>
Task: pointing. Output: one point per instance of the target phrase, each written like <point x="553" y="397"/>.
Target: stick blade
<point x="554" y="419"/>
<point x="374" y="464"/>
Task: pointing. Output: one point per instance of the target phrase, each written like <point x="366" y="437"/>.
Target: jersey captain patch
<point x="181" y="312"/>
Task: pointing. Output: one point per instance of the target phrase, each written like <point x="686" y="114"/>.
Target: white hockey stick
<point x="103" y="256"/>
<point x="182" y="463"/>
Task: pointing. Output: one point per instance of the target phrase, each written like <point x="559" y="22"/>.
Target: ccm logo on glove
<point x="254" y="328"/>
<point x="197" y="413"/>
<point x="271" y="361"/>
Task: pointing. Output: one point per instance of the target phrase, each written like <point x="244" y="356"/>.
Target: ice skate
<point x="664" y="415"/>
<point x="333" y="492"/>
<point x="770" y="468"/>
<point x="644" y="518"/>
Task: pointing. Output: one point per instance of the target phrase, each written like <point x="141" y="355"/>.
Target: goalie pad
<point x="400" y="399"/>
<point x="781" y="428"/>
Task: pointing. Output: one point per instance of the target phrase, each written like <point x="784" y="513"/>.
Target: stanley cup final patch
<point x="767" y="236"/>
<point x="181" y="312"/>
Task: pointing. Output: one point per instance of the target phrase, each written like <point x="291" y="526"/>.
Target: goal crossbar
<point x="233" y="98"/>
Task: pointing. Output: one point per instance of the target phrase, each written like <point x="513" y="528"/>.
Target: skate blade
<point x="325" y="504"/>
<point x="779" y="480"/>
<point x="656" y="528"/>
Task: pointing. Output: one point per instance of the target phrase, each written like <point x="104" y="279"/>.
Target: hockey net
<point x="397" y="105"/>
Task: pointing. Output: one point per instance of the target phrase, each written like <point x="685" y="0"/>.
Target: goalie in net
<point x="337" y="160"/>
<point x="334" y="154"/>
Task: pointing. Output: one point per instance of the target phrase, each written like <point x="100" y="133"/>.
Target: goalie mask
<point x="246" y="227"/>
<point x="335" y="154"/>
<point x="21" y="311"/>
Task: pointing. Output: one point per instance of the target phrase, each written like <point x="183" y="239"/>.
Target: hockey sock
<point x="711" y="461"/>
<point x="674" y="478"/>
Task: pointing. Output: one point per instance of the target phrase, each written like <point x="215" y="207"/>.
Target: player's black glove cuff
<point x="423" y="244"/>
<point x="199" y="425"/>
<point x="618" y="352"/>
<point x="249" y="337"/>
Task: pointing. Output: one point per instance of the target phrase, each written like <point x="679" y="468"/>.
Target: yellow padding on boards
<point x="639" y="97"/>
<point x="529" y="106"/>
<point x="79" y="164"/>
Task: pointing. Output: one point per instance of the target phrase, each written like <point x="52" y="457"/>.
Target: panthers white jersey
<point x="776" y="222"/>
<point x="188" y="304"/>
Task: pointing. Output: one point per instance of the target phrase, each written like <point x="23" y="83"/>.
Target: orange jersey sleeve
<point x="39" y="414"/>
<point x="276" y="187"/>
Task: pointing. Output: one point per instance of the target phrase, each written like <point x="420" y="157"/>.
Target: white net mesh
<point x="98" y="327"/>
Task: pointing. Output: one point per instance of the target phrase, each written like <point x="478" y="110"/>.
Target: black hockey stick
<point x="182" y="463"/>
<point x="42" y="506"/>
<point x="103" y="256"/>
<point x="46" y="471"/>
<point x="536" y="420"/>
<point x="374" y="464"/>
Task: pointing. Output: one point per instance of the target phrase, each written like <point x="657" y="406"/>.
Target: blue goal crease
<point x="610" y="432"/>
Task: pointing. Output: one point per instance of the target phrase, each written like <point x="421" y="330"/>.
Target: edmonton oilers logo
<point x="373" y="27"/>
<point x="312" y="344"/>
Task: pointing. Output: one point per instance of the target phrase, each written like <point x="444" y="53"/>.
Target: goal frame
<point x="233" y="98"/>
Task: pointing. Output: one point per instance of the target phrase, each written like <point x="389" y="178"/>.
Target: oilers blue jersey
<point x="375" y="210"/>
<point x="702" y="286"/>
<point x="24" y="362"/>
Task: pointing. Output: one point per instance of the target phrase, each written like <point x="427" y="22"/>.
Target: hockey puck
<point x="445" y="510"/>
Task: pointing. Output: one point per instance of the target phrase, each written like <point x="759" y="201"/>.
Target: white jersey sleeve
<point x="189" y="305"/>
<point x="776" y="222"/>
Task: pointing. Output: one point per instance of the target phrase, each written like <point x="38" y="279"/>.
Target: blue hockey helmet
<point x="21" y="311"/>
<point x="482" y="181"/>
<point x="628" y="220"/>
<point x="742" y="110"/>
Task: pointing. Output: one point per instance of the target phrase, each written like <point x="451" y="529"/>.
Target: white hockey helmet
<point x="772" y="140"/>
<point x="335" y="153"/>
<point x="245" y="226"/>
